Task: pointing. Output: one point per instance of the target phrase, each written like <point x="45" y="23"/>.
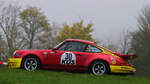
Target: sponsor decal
<point x="113" y="60"/>
<point x="68" y="58"/>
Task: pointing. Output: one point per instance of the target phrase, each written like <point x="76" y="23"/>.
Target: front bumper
<point x="122" y="69"/>
<point x="14" y="62"/>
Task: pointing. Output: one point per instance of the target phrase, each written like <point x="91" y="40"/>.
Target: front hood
<point x="20" y="53"/>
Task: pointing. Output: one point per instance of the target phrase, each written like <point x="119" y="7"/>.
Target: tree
<point x="109" y="45"/>
<point x="125" y="43"/>
<point x="77" y="31"/>
<point x="2" y="48"/>
<point x="141" y="42"/>
<point x="49" y="38"/>
<point x="9" y="24"/>
<point x="34" y="24"/>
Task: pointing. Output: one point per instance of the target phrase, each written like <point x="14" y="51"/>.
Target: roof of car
<point x="78" y="40"/>
<point x="88" y="42"/>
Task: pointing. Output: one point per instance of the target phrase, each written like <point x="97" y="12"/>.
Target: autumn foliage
<point x="76" y="31"/>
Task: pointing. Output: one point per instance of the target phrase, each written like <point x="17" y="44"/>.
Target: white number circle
<point x="68" y="58"/>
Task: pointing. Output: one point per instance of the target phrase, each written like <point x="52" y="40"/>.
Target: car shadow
<point x="86" y="72"/>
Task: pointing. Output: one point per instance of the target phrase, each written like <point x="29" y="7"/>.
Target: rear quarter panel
<point x="97" y="56"/>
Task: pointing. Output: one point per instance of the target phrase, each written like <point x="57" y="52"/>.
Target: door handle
<point x="79" y="54"/>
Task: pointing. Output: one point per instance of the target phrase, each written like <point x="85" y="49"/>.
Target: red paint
<point x="1" y="62"/>
<point x="52" y="58"/>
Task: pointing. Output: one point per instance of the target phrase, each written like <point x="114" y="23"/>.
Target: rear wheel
<point x="31" y="63"/>
<point x="99" y="68"/>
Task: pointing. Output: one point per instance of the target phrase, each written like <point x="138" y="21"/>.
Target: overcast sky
<point x="110" y="17"/>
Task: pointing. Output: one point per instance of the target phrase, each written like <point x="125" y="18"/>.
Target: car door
<point x="54" y="56"/>
<point x="70" y="54"/>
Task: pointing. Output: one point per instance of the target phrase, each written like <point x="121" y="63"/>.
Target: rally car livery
<point x="73" y="54"/>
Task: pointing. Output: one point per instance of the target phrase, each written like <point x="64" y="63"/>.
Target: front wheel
<point x="31" y="64"/>
<point x="99" y="68"/>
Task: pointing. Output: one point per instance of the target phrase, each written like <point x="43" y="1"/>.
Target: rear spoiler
<point x="126" y="56"/>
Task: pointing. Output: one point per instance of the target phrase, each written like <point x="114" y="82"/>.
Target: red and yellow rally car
<point x="73" y="54"/>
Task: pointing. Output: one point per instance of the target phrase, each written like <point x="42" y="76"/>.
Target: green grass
<point x="20" y="76"/>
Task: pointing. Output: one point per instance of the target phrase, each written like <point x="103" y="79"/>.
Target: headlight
<point x="17" y="54"/>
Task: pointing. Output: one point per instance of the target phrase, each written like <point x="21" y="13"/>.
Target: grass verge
<point x="20" y="76"/>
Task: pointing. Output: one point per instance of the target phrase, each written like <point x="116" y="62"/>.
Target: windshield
<point x="59" y="44"/>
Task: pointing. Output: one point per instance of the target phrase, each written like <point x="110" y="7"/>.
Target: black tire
<point x="31" y="63"/>
<point x="99" y="68"/>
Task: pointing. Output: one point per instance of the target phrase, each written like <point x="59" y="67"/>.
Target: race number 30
<point x="68" y="58"/>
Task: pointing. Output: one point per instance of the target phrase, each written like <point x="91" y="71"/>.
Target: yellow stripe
<point x="122" y="69"/>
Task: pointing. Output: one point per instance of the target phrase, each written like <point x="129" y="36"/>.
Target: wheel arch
<point x="30" y="55"/>
<point x="102" y="60"/>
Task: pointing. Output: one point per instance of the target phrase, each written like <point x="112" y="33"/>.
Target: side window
<point x="76" y="46"/>
<point x="93" y="49"/>
<point x="63" y="47"/>
<point x="73" y="46"/>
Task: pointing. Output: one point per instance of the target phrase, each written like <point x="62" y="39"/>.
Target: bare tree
<point x="34" y="24"/>
<point x="2" y="48"/>
<point x="141" y="42"/>
<point x="9" y="23"/>
<point x="49" y="38"/>
<point x="125" y="43"/>
<point x="110" y="46"/>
